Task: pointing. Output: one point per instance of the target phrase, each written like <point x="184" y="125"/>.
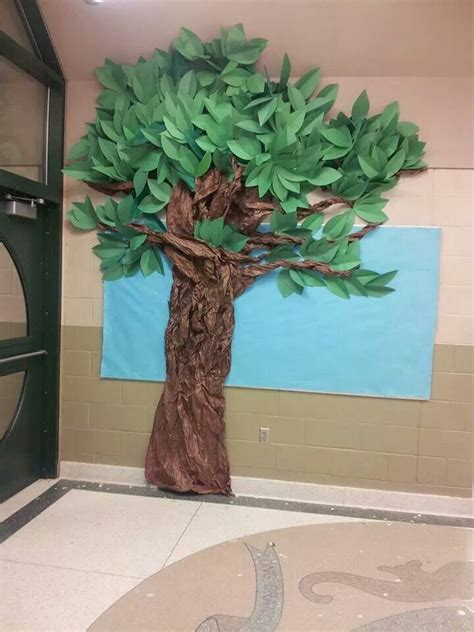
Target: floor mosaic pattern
<point x="352" y="576"/>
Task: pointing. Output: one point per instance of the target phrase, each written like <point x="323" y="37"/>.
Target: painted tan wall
<point x="367" y="442"/>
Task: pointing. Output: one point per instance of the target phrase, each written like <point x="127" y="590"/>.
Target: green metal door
<point x="22" y="352"/>
<point x="31" y="145"/>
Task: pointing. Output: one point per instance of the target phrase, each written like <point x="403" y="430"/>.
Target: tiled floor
<point x="75" y="559"/>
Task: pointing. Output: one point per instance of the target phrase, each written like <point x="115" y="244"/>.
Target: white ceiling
<point x="345" y="37"/>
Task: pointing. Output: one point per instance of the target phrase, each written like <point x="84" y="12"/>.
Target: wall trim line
<point x="292" y="491"/>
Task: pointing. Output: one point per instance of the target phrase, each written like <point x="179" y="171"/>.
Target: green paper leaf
<point x="296" y="98"/>
<point x="360" y="109"/>
<point x="306" y="278"/>
<point x="154" y="223"/>
<point x="244" y="148"/>
<point x="137" y="241"/>
<point x="324" y="176"/>
<point x="150" y="161"/>
<point x="204" y="164"/>
<point x="336" y="286"/>
<point x="149" y="204"/>
<point x="188" y="160"/>
<point x="395" y="163"/>
<point x="139" y="181"/>
<point x="150" y="262"/>
<point x="355" y="287"/>
<point x="249" y="125"/>
<point x="339" y="225"/>
<point x="172" y="129"/>
<point x="125" y="209"/>
<point x="153" y="135"/>
<point x="81" y="220"/>
<point x="339" y="136"/>
<point x="286" y="285"/>
<point x="368" y="166"/>
<point x="170" y="148"/>
<point x="79" y="149"/>
<point x="256" y="83"/>
<point x="389" y="116"/>
<point x="307" y="83"/>
<point x="407" y="129"/>
<point x="345" y="262"/>
<point x="281" y="222"/>
<point x="313" y="222"/>
<point x="265" y="179"/>
<point x="285" y="72"/>
<point x="113" y="272"/>
<point x="267" y="111"/>
<point x="78" y="171"/>
<point x="382" y="279"/>
<point x="378" y="291"/>
<point x="189" y="45"/>
<point x="322" y="251"/>
<point x="283" y="253"/>
<point x="161" y="191"/>
<point x="370" y="210"/>
<point x="233" y="240"/>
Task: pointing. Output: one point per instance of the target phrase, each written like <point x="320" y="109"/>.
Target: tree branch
<point x="363" y="232"/>
<point x="320" y="207"/>
<point x="261" y="269"/>
<point x="270" y="240"/>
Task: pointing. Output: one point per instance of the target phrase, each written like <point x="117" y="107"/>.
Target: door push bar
<point x="24" y="356"/>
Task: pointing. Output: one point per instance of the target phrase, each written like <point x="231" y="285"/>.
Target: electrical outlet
<point x="264" y="435"/>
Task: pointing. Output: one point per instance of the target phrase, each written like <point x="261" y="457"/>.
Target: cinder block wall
<point x="333" y="439"/>
<point x="358" y="441"/>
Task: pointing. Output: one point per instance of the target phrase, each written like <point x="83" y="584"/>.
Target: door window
<point x="13" y="26"/>
<point x="13" y="315"/>
<point x="23" y="110"/>
<point x="11" y="387"/>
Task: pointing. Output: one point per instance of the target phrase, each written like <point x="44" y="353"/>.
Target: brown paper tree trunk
<point x="187" y="450"/>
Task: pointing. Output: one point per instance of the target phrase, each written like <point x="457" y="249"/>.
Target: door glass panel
<point x="13" y="319"/>
<point x="12" y="24"/>
<point x="23" y="110"/>
<point x="11" y="387"/>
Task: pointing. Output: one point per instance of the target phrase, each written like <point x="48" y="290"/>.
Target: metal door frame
<point x="45" y="68"/>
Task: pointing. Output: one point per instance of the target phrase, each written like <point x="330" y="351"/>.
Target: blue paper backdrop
<point x="314" y="342"/>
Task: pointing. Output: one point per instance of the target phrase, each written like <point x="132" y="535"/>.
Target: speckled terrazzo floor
<point x="116" y="558"/>
<point x="369" y="576"/>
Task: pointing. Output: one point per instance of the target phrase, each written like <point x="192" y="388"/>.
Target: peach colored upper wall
<point x="421" y="63"/>
<point x="425" y="61"/>
<point x="414" y="38"/>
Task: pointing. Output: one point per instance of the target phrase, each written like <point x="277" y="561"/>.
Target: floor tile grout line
<point x="181" y="536"/>
<point x="70" y="568"/>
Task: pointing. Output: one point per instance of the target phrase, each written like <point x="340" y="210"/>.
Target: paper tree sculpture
<point x="195" y="150"/>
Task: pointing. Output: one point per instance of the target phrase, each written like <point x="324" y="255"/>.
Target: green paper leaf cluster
<point x="219" y="234"/>
<point x="169" y="119"/>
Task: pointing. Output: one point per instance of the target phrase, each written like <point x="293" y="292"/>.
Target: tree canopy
<point x="172" y="120"/>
